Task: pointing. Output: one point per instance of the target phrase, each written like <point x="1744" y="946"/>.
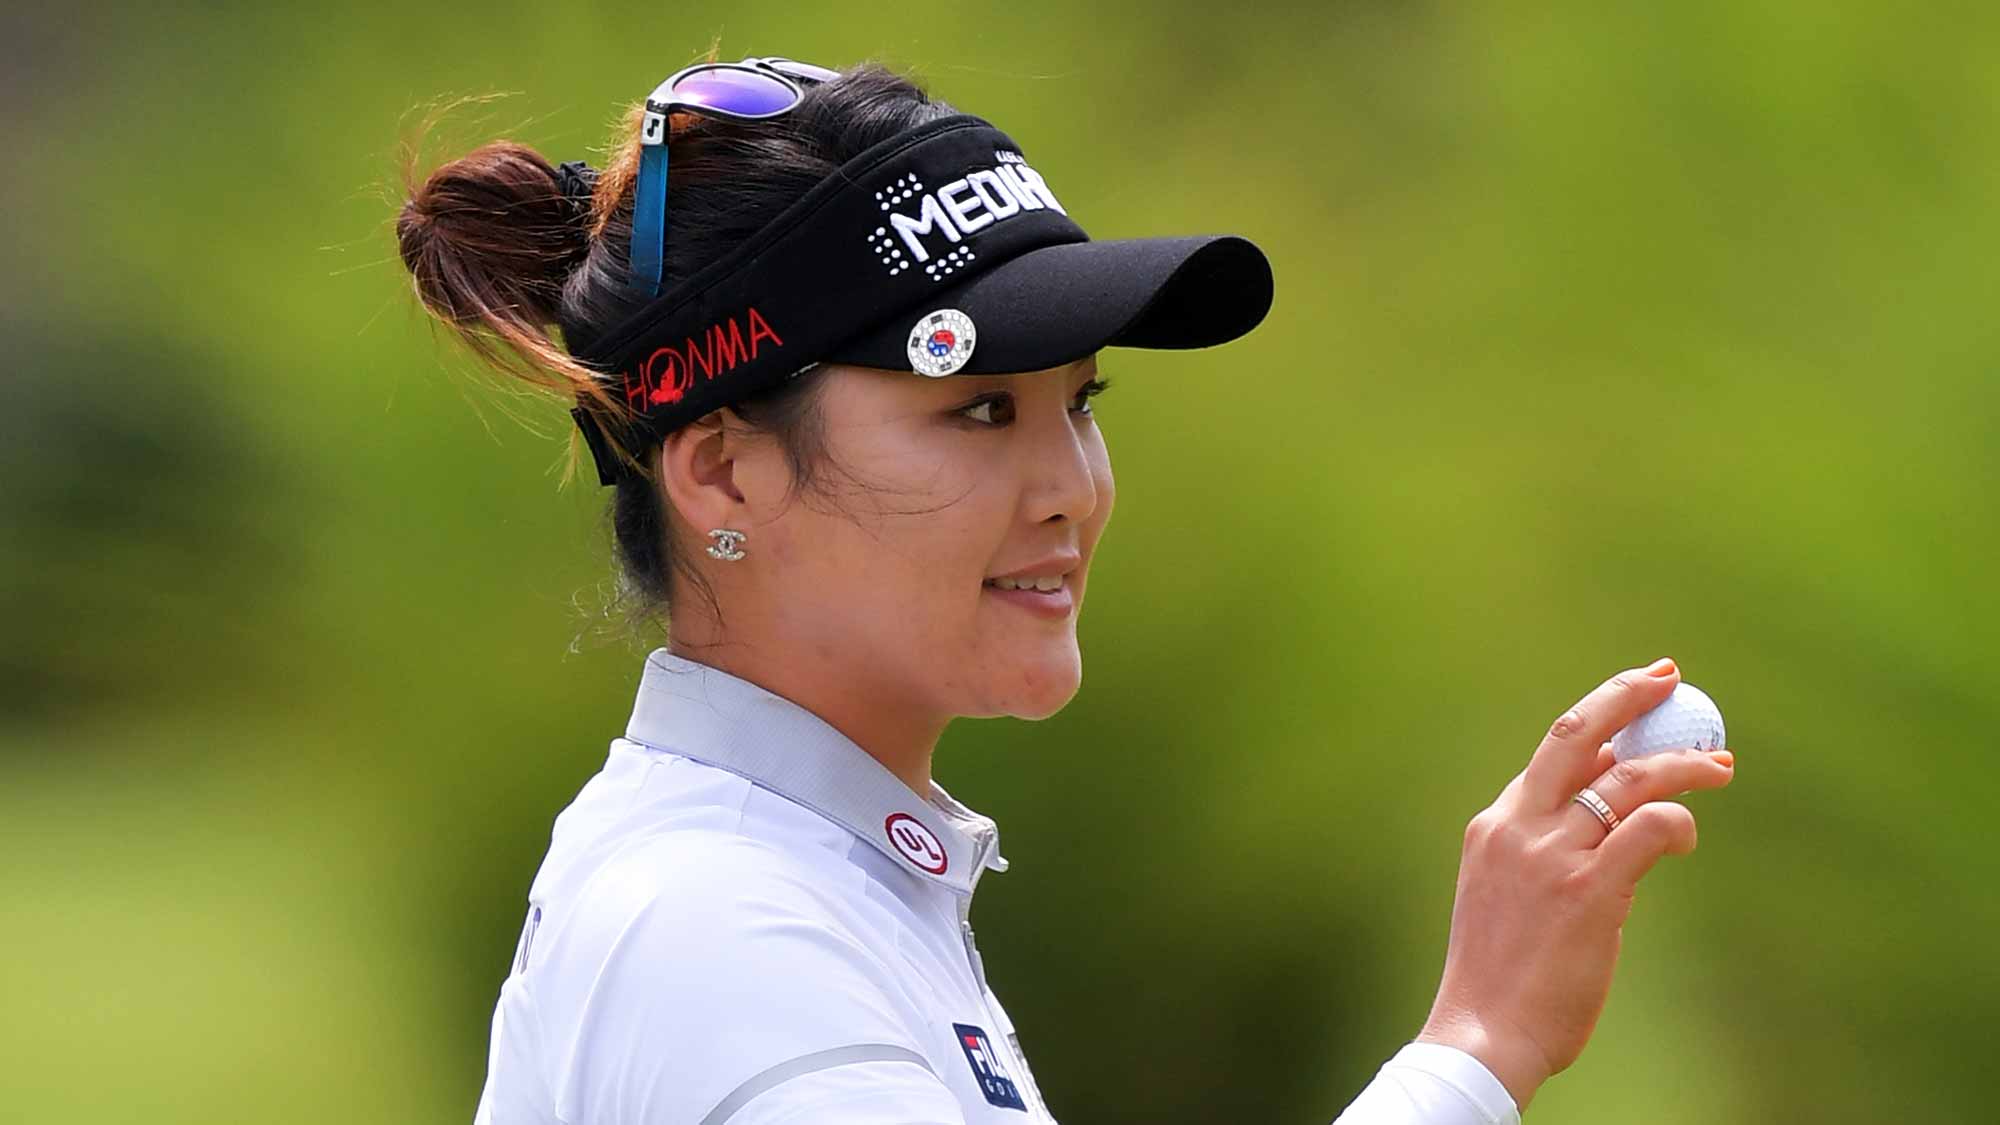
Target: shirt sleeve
<point x="1432" y="1084"/>
<point x="728" y="994"/>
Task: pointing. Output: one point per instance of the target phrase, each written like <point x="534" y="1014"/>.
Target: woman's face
<point x="885" y="584"/>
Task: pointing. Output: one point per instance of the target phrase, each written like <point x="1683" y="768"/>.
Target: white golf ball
<point x="1688" y="718"/>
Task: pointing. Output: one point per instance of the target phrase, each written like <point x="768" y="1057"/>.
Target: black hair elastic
<point x="577" y="181"/>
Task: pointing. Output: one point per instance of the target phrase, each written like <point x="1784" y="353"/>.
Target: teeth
<point x="1052" y="582"/>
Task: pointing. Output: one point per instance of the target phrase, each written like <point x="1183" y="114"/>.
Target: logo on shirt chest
<point x="916" y="843"/>
<point x="987" y="1068"/>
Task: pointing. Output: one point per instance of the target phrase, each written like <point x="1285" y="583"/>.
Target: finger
<point x="1626" y="786"/>
<point x="1654" y="829"/>
<point x="1567" y="758"/>
<point x="1605" y="760"/>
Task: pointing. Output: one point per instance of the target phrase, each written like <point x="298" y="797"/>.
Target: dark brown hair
<point x="499" y="253"/>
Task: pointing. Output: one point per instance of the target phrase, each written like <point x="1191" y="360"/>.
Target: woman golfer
<point x="833" y="345"/>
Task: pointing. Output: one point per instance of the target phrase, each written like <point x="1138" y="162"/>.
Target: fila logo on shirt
<point x="993" y="1081"/>
<point x="946" y="216"/>
<point x="916" y="843"/>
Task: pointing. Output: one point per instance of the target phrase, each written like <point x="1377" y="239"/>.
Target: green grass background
<point x="1603" y="332"/>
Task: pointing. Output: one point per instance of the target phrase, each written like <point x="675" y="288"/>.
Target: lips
<point x="1059" y="565"/>
<point x="1054" y="604"/>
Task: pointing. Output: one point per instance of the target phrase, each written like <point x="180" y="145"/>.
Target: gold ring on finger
<point x="1599" y="808"/>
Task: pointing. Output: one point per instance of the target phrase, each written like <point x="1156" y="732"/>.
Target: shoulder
<point x="701" y="960"/>
<point x="656" y="837"/>
<point x="713" y="860"/>
<point x="709" y="892"/>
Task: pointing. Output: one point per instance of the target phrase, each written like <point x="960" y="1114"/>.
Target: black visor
<point x="939" y="252"/>
<point x="1058" y="304"/>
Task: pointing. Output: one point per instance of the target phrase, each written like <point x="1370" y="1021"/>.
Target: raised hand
<point x="1544" y="889"/>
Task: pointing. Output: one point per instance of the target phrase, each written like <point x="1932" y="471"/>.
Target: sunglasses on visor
<point x="751" y="90"/>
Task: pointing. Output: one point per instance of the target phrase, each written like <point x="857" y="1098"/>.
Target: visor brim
<point x="1058" y="304"/>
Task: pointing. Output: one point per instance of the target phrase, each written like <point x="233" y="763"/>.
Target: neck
<point x="903" y="739"/>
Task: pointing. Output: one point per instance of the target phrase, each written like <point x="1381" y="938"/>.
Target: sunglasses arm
<point x="649" y="205"/>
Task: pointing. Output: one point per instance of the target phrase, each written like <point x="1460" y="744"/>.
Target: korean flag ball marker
<point x="941" y="342"/>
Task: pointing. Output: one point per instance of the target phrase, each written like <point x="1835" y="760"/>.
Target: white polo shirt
<point x="745" y="918"/>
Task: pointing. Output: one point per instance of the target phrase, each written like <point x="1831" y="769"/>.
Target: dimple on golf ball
<point x="1688" y="718"/>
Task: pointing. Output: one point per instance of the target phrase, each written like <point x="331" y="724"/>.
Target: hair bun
<point x="492" y="234"/>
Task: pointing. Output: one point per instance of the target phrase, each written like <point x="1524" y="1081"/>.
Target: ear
<point x="697" y="468"/>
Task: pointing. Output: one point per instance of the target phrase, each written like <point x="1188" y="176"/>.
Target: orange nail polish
<point x="1664" y="666"/>
<point x="1724" y="756"/>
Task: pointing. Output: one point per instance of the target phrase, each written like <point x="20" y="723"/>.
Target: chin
<point x="1040" y="687"/>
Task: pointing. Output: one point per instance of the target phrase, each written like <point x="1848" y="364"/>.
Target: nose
<point x="1062" y="485"/>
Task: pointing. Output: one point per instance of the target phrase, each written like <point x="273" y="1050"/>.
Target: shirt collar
<point x="706" y="714"/>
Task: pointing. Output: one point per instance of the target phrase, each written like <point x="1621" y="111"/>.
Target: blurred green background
<point x="1603" y="332"/>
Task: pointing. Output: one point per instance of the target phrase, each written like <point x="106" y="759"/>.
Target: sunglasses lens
<point x="744" y="92"/>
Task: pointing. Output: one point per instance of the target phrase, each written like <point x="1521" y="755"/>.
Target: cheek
<point x="922" y="539"/>
<point x="951" y="549"/>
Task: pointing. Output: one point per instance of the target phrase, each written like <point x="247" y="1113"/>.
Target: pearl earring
<point x="726" y="542"/>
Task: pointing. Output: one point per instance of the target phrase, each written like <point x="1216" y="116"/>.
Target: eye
<point x="996" y="409"/>
<point x="1089" y="391"/>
